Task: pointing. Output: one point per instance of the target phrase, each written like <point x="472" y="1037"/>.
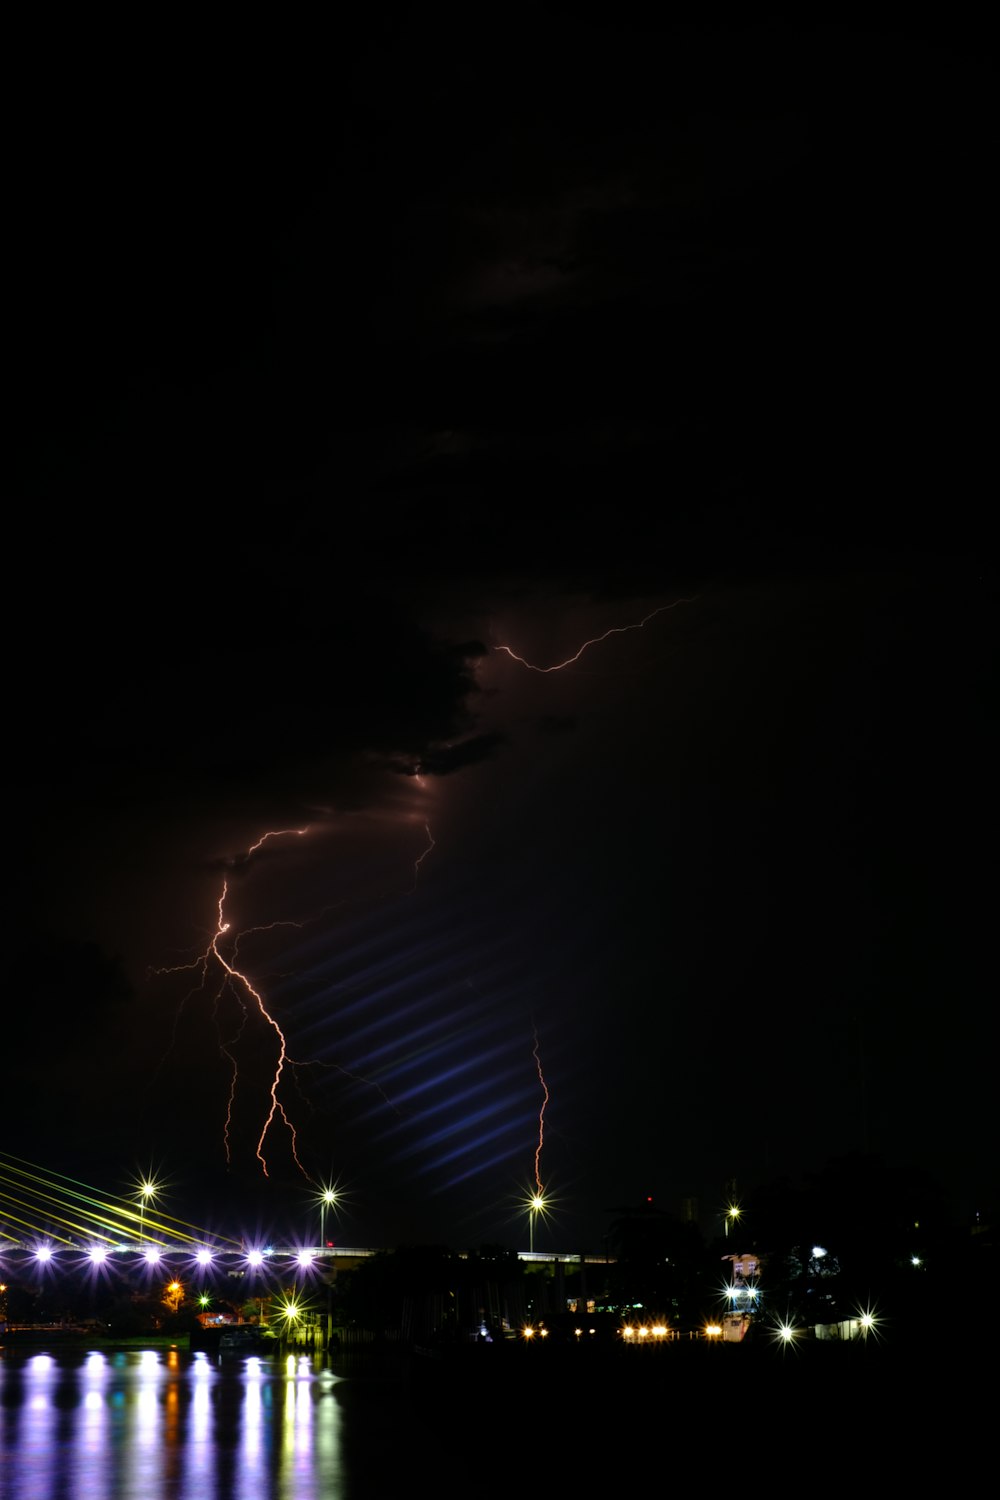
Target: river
<point x="159" y="1423"/>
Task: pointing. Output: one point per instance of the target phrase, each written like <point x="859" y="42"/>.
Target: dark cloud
<point x="444" y="760"/>
<point x="549" y="724"/>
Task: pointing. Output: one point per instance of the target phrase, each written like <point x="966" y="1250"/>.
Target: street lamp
<point x="535" y="1207"/>
<point x="732" y="1216"/>
<point x="146" y="1190"/>
<point x="327" y="1199"/>
<point x="786" y="1332"/>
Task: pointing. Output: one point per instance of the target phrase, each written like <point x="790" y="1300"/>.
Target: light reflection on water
<point x="160" y="1424"/>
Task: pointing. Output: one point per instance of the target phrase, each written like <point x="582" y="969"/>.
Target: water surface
<point x="153" y="1424"/>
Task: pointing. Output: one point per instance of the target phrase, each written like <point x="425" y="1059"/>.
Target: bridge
<point x="227" y="1257"/>
<point x="55" y="1223"/>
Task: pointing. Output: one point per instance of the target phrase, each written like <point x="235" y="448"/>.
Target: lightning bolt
<point x="595" y="640"/>
<point x="225" y="1049"/>
<point x="242" y="982"/>
<point x="279" y="833"/>
<point x="419" y="861"/>
<point x="247" y="996"/>
<point x="541" y="1115"/>
<point x="221" y="956"/>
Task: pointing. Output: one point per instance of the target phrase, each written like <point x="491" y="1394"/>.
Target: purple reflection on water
<point x="159" y="1424"/>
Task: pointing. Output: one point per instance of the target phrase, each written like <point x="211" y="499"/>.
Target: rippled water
<point x="158" y="1423"/>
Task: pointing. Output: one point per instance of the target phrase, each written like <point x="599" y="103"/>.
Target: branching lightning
<point x="220" y="960"/>
<point x="594" y="641"/>
<point x="245" y="991"/>
<point x="241" y="980"/>
<point x="220" y="965"/>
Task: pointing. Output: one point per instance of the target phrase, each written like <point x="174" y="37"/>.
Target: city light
<point x="870" y="1321"/>
<point x="290" y="1310"/>
<point x="328" y="1198"/>
<point x="536" y="1204"/>
<point x="146" y="1191"/>
<point x="785" y="1333"/>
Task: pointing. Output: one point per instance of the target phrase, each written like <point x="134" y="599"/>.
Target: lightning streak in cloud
<point x="595" y="640"/>
<point x="276" y="833"/>
<point x="419" y="861"/>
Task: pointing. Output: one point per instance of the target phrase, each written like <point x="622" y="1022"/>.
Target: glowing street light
<point x="147" y="1191"/>
<point x="869" y="1320"/>
<point x="290" y="1311"/>
<point x="733" y="1212"/>
<point x="328" y="1198"/>
<point x="536" y="1206"/>
<point x="786" y="1333"/>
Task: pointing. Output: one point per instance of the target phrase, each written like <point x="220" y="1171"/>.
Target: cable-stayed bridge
<point x="48" y="1219"/>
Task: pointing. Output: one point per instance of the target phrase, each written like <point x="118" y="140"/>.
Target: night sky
<point x="341" y="361"/>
